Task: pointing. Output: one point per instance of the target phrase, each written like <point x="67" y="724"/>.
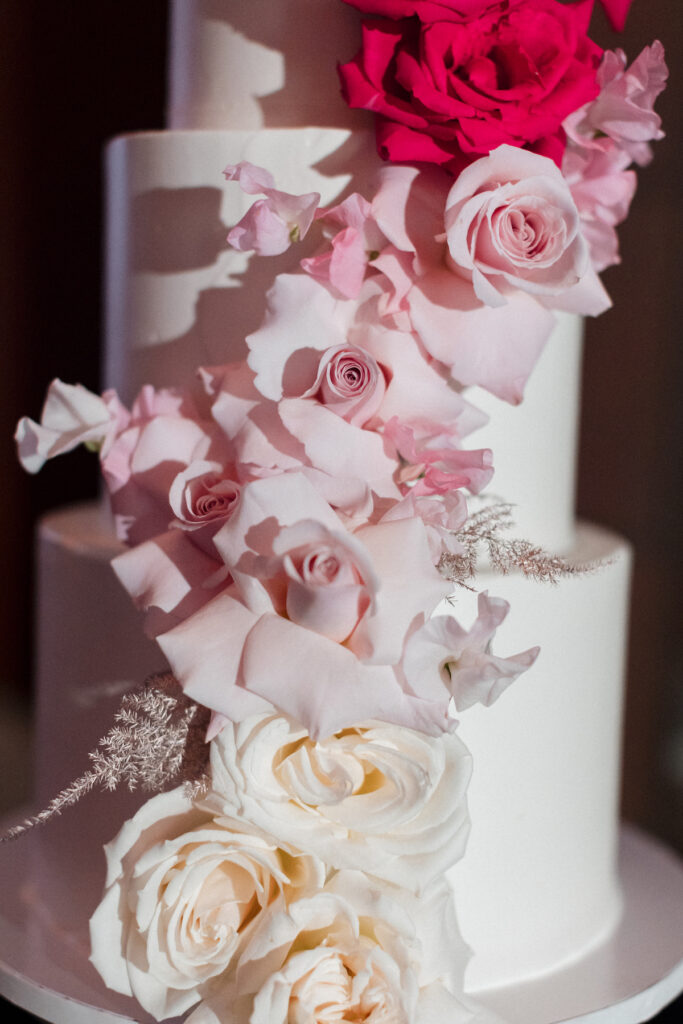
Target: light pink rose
<point x="202" y="495"/>
<point x="463" y="658"/>
<point x="443" y="515"/>
<point x="492" y="347"/>
<point x="299" y="581"/>
<point x="512" y="224"/>
<point x="271" y="225"/>
<point x="350" y="383"/>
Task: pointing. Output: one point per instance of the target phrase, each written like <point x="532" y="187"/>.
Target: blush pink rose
<point x="202" y="495"/>
<point x="451" y="81"/>
<point x="350" y="383"/>
<point x="512" y="225"/>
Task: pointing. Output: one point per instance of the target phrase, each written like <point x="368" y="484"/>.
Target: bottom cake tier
<point x="538" y="885"/>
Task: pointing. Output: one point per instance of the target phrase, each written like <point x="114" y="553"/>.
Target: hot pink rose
<point x="512" y="225"/>
<point x="456" y="79"/>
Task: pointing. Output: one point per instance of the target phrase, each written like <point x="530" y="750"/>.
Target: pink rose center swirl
<point x="211" y="498"/>
<point x="348" y="376"/>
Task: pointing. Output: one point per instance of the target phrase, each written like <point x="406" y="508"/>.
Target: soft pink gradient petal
<point x="494" y="348"/>
<point x="400" y="553"/>
<point x="301" y="314"/>
<point x="323" y="685"/>
<point x="336" y="447"/>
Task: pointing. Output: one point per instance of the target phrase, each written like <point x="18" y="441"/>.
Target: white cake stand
<point x="627" y="980"/>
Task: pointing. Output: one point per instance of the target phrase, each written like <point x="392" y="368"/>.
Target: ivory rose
<point x="184" y="893"/>
<point x="451" y="81"/>
<point x="512" y="224"/>
<point x="386" y="800"/>
<point x="356" y="951"/>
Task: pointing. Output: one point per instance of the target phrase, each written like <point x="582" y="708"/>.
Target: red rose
<point x="450" y="80"/>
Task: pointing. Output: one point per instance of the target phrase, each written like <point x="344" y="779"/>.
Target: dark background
<point x="75" y="73"/>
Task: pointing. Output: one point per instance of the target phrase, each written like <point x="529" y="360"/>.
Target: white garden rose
<point x="183" y="894"/>
<point x="359" y="950"/>
<point x="381" y="798"/>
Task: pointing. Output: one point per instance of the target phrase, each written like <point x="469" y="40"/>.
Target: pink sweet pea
<point x="467" y="668"/>
<point x="623" y="114"/>
<point x="71" y="416"/>
<point x="271" y="225"/>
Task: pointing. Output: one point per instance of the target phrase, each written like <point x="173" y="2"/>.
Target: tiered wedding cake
<point x="255" y="86"/>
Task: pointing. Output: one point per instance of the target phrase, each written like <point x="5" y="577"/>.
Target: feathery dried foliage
<point x="157" y="739"/>
<point x="484" y="530"/>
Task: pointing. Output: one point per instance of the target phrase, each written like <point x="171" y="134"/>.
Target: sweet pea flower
<point x="467" y="668"/>
<point x="623" y="114"/>
<point x="271" y="225"/>
<point x="71" y="416"/>
<point x="602" y="188"/>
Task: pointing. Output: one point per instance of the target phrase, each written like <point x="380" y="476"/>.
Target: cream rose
<point x="385" y="799"/>
<point x="184" y="892"/>
<point x="357" y="951"/>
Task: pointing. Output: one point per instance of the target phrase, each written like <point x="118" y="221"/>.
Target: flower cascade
<point x="286" y="521"/>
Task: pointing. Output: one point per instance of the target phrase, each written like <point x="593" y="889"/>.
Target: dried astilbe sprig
<point x="484" y="530"/>
<point x="157" y="739"/>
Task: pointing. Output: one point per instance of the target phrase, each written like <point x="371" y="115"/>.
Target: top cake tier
<point x="249" y="64"/>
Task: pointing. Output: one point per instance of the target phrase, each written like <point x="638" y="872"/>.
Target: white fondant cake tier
<point x="538" y="884"/>
<point x="535" y="446"/>
<point x="260" y="63"/>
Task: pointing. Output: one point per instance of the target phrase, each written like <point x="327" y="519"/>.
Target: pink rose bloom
<point x="306" y="626"/>
<point x="512" y="225"/>
<point x="202" y="495"/>
<point x="271" y="225"/>
<point x="451" y="81"/>
<point x="492" y="347"/>
<point x="623" y="114"/>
